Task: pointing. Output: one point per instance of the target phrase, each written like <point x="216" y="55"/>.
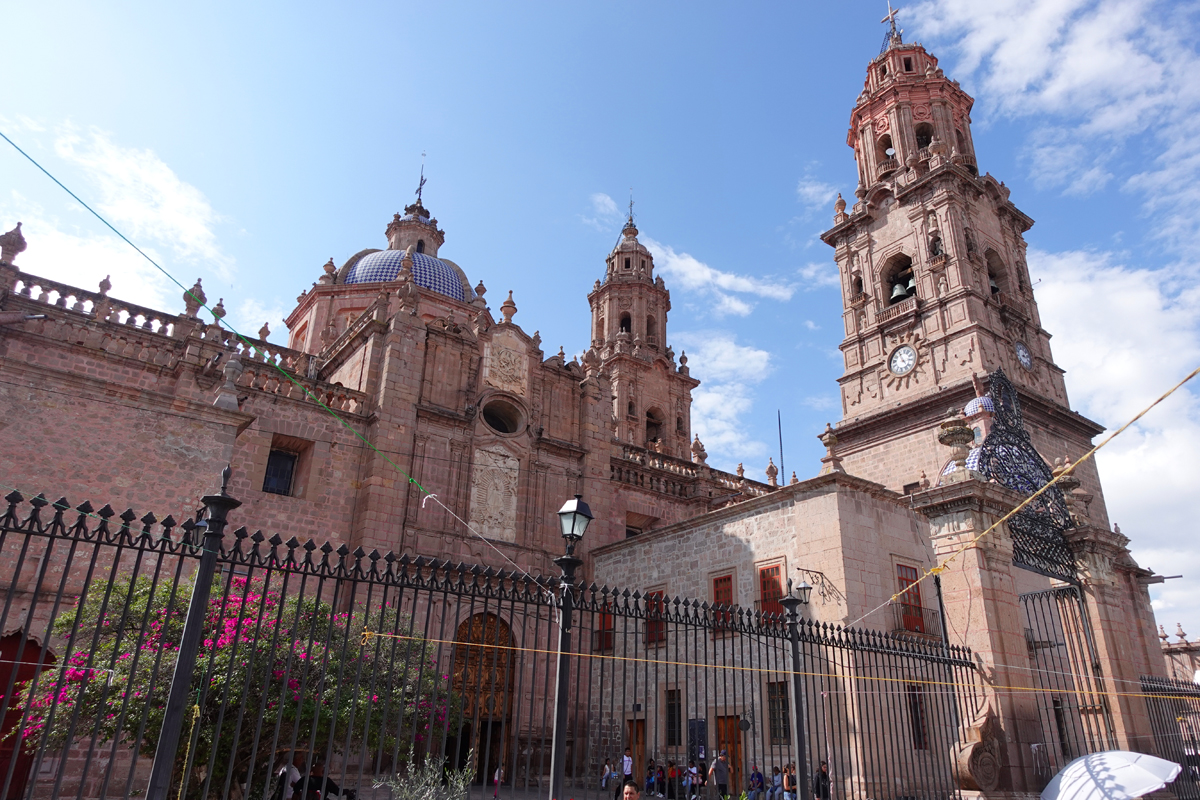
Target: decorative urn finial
<point x="11" y="244"/>
<point x="508" y="309"/>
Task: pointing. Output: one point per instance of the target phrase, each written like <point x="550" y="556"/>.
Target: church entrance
<point x="11" y="744"/>
<point x="484" y="676"/>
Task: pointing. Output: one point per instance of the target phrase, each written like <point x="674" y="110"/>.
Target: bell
<point x="912" y="285"/>
<point x="899" y="292"/>
<point x="994" y="286"/>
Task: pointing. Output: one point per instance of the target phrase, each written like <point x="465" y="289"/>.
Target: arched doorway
<point x="484" y="676"/>
<point x="11" y="744"/>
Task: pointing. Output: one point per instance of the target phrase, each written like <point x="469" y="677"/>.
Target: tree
<point x="270" y="665"/>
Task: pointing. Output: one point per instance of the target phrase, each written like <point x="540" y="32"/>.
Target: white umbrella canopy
<point x="1112" y="775"/>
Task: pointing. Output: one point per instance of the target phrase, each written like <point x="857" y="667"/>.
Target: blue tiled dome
<point x="429" y="272"/>
<point x="979" y="404"/>
<point x="972" y="461"/>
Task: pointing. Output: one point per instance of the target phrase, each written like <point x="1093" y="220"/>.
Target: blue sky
<point x="248" y="143"/>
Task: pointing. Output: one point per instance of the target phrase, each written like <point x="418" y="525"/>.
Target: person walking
<point x="821" y="782"/>
<point x="498" y="778"/>
<point x="719" y="772"/>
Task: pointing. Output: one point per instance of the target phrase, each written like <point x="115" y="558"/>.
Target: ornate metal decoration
<point x="1009" y="458"/>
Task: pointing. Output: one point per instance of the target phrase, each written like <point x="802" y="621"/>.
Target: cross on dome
<point x="893" y="36"/>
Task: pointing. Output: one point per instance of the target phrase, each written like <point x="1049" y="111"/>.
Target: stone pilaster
<point x="983" y="612"/>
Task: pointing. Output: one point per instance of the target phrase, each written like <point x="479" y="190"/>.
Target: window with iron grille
<point x="777" y="712"/>
<point x="281" y="468"/>
<point x="656" y="627"/>
<point x="674" y="718"/>
<point x="723" y="596"/>
<point x="916" y="717"/>
<point x="770" y="589"/>
<point x="912" y="614"/>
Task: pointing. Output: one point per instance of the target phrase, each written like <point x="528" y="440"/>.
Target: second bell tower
<point x="935" y="287"/>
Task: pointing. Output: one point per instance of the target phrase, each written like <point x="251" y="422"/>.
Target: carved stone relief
<point x="494" y="494"/>
<point x="506" y="366"/>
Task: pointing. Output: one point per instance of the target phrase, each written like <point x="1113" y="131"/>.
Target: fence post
<point x="792" y="604"/>
<point x="558" y="749"/>
<point x="218" y="507"/>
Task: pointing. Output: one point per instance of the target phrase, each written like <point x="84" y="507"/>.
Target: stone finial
<point x="839" y="205"/>
<point x="596" y="286"/>
<point x="741" y="471"/>
<point x="699" y="454"/>
<point x="1162" y="634"/>
<point x="977" y="384"/>
<point x="218" y="311"/>
<point x="193" y="298"/>
<point x="772" y="473"/>
<point x="480" y="290"/>
<point x="860" y="191"/>
<point x="508" y="309"/>
<point x="683" y="359"/>
<point x="264" y="332"/>
<point x="924" y="480"/>
<point x="956" y="434"/>
<point x="105" y="285"/>
<point x="11" y="244"/>
<point x="794" y="479"/>
<point x="562" y="354"/>
<point x="1179" y="632"/>
<point x="330" y="271"/>
<point x="831" y="462"/>
<point x="227" y="396"/>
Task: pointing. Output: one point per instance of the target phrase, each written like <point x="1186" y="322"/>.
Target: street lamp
<point x="795" y="597"/>
<point x="573" y="520"/>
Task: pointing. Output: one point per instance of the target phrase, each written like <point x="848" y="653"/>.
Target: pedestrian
<point x="315" y="786"/>
<point x="648" y="785"/>
<point x="286" y="776"/>
<point x="789" y="783"/>
<point x="604" y="773"/>
<point x="629" y="791"/>
<point x="719" y="772"/>
<point x="672" y="780"/>
<point x="692" y="781"/>
<point x="775" y="790"/>
<point x="660" y="781"/>
<point x="821" y="782"/>
<point x="754" y="787"/>
<point x="498" y="778"/>
<point x="626" y="772"/>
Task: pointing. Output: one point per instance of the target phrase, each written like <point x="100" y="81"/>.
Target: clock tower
<point x="935" y="287"/>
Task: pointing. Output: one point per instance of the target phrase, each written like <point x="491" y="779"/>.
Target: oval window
<point x="502" y="416"/>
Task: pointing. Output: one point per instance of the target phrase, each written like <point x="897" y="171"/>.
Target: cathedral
<point x="455" y="436"/>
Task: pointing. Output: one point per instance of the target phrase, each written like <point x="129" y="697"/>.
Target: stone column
<point x="983" y="612"/>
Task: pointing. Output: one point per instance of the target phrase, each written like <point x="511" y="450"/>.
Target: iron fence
<point x="1076" y="718"/>
<point x="368" y="664"/>
<point x="1174" y="708"/>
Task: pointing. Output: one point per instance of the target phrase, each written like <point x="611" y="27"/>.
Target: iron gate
<point x="1174" y="708"/>
<point x="371" y="664"/>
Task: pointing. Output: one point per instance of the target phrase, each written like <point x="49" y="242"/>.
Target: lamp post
<point x="795" y="598"/>
<point x="573" y="519"/>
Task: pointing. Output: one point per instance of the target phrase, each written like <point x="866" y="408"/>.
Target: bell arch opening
<point x="899" y="282"/>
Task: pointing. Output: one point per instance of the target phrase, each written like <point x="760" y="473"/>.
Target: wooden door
<point x="729" y="739"/>
<point x="637" y="741"/>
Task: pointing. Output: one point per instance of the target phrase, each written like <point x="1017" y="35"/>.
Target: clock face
<point x="903" y="359"/>
<point x="1024" y="356"/>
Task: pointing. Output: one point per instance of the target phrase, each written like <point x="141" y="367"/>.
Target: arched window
<point x="651" y="330"/>
<point x="420" y="245"/>
<point x="884" y="148"/>
<point x="856" y="286"/>
<point x="997" y="274"/>
<point x="654" y="422"/>
<point x="629" y="410"/>
<point x="924" y="134"/>
<point x="935" y="245"/>
<point x="898" y="279"/>
<point x="600" y="328"/>
<point x="679" y="425"/>
<point x="626" y="324"/>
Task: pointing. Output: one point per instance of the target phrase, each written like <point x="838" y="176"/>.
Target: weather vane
<point x="421" y="185"/>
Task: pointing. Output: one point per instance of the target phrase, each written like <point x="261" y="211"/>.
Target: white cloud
<point x="249" y="315"/>
<point x="604" y="212"/>
<point x="1110" y="82"/>
<point x="1133" y="333"/>
<point x="819" y="275"/>
<point x="690" y="273"/>
<point x="144" y="198"/>
<point x="815" y="194"/>
<point x="67" y="253"/>
<point x="812" y="326"/>
<point x="728" y="372"/>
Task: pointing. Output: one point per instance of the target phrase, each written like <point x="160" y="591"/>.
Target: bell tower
<point x="652" y="395"/>
<point x="935" y="287"/>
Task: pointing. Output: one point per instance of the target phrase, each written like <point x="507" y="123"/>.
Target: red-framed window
<point x="602" y="637"/>
<point x="722" y="594"/>
<point x="770" y="589"/>
<point x="656" y="627"/>
<point x="911" y="610"/>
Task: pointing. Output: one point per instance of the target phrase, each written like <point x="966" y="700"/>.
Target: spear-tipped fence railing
<point x="367" y="664"/>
